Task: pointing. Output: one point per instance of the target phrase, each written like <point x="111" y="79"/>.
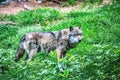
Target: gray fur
<point x="61" y="41"/>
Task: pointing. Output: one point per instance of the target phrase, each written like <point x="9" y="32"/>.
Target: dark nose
<point x="79" y="40"/>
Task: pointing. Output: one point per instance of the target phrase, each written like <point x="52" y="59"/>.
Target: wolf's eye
<point x="77" y="34"/>
<point x="80" y="34"/>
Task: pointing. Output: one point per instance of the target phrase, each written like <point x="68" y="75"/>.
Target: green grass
<point x="96" y="57"/>
<point x="38" y="16"/>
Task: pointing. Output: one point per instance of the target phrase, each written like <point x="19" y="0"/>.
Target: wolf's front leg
<point x="61" y="54"/>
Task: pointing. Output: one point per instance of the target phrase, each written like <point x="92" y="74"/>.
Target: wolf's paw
<point x="62" y="66"/>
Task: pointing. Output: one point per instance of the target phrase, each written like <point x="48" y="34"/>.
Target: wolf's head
<point x="75" y="35"/>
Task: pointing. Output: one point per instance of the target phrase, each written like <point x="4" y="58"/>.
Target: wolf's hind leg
<point x="19" y="53"/>
<point x="32" y="53"/>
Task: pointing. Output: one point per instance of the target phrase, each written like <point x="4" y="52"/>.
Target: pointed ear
<point x="79" y="27"/>
<point x="71" y="28"/>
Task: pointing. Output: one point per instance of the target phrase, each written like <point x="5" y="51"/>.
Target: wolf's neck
<point x="71" y="45"/>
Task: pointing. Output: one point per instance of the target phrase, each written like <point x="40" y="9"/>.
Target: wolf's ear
<point x="79" y="27"/>
<point x="71" y="28"/>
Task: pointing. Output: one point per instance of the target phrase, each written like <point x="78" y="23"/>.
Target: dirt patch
<point x="15" y="7"/>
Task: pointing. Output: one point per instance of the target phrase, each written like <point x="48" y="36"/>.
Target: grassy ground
<point x="96" y="57"/>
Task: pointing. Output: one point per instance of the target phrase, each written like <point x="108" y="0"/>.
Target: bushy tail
<point x="20" y="52"/>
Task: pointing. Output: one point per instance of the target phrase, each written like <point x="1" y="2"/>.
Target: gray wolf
<point x="61" y="41"/>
